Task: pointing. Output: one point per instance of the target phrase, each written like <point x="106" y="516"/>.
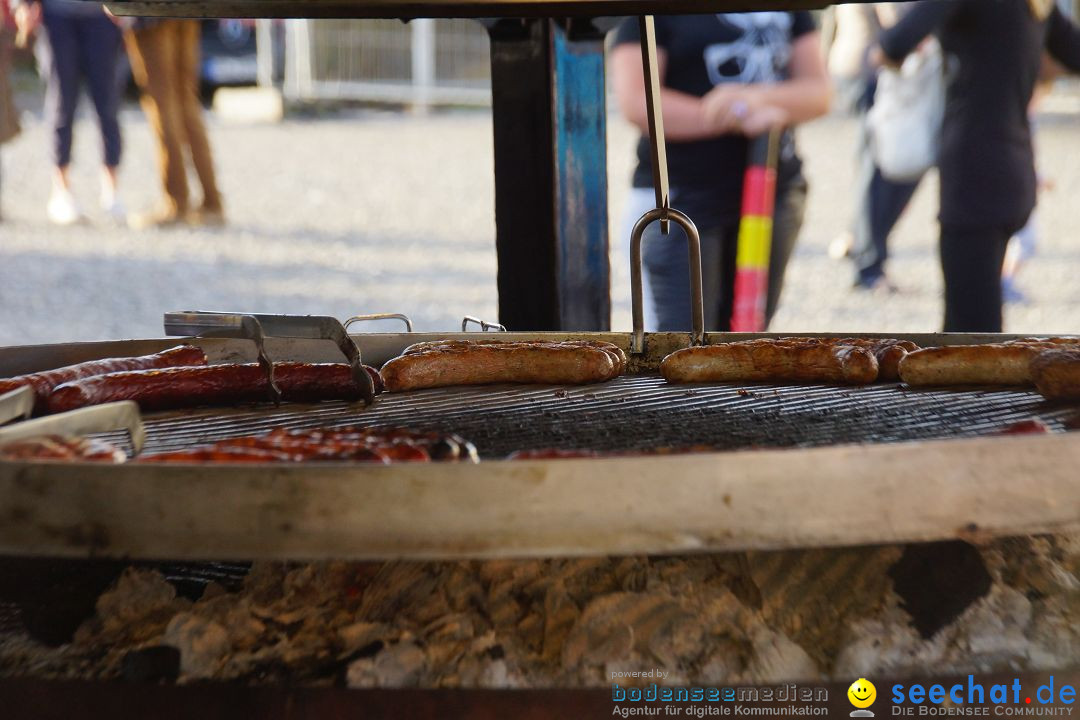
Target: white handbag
<point x="905" y="120"/>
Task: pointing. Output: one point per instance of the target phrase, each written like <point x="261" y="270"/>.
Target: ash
<point x="704" y="619"/>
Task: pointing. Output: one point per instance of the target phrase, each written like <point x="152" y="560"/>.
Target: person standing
<point x="881" y="200"/>
<point x="725" y="78"/>
<point x="986" y="163"/>
<point x="164" y="57"/>
<point x="9" y="118"/>
<point x="83" y="43"/>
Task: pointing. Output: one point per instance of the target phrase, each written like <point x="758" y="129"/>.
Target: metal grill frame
<point x="827" y="496"/>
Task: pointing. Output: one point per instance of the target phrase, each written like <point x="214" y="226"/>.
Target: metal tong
<point x="257" y="327"/>
<point x="663" y="211"/>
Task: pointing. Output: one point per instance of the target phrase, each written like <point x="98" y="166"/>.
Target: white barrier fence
<point x="423" y="63"/>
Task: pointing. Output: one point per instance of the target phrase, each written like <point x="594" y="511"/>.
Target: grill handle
<point x="380" y="316"/>
<point x="697" y="305"/>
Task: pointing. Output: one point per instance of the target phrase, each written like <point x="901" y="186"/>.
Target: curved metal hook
<point x="697" y="305"/>
<point x="380" y="316"/>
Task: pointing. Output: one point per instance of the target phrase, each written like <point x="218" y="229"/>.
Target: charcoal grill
<point x="782" y="466"/>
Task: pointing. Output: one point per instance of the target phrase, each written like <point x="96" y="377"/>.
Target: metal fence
<point x="425" y="62"/>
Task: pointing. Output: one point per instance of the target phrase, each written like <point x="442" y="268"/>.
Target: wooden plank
<point x="971" y="489"/>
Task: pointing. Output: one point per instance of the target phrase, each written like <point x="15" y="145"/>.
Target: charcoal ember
<point x="410" y="588"/>
<point x="777" y="658"/>
<point x="705" y="619"/>
<point x="399" y="665"/>
<point x="614" y="625"/>
<point x="135" y="610"/>
<point x="463" y="590"/>
<point x="811" y="595"/>
<point x="203" y="644"/>
<point x="362" y="636"/>
<point x="447" y="638"/>
<point x="561" y="613"/>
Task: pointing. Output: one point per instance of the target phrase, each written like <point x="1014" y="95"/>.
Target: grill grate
<point x="639" y="412"/>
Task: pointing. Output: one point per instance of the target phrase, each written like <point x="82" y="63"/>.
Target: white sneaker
<point x="62" y="208"/>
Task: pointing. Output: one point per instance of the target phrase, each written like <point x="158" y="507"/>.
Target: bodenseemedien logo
<point x="862" y="695"/>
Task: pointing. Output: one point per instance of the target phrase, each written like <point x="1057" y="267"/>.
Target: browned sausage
<point x="888" y="351"/>
<point x="44" y="382"/>
<point x="770" y="361"/>
<point x="213" y="385"/>
<point x="617" y="354"/>
<point x="482" y="364"/>
<point x="970" y="365"/>
<point x="1057" y="374"/>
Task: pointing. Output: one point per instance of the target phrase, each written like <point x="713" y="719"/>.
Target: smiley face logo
<point x="862" y="693"/>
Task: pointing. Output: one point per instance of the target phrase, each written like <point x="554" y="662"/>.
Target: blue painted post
<point x="548" y="108"/>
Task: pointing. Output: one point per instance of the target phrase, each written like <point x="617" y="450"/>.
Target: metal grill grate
<point x="639" y="412"/>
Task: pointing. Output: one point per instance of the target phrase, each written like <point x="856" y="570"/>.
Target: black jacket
<point x="994" y="48"/>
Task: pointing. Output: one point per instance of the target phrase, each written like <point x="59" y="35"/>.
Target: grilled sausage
<point x="213" y="385"/>
<point x="971" y="365"/>
<point x="1051" y="342"/>
<point x="888" y="351"/>
<point x="617" y="354"/>
<point x="771" y="361"/>
<point x="44" y="382"/>
<point x="485" y="363"/>
<point x="1056" y="374"/>
<point x="57" y="447"/>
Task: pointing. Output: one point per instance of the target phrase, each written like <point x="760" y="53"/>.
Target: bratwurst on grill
<point x="44" y="382"/>
<point x="451" y="363"/>
<point x="1057" y="374"/>
<point x="1002" y="364"/>
<point x="212" y="385"/>
<point x="772" y="361"/>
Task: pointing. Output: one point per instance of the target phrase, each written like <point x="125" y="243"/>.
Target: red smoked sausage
<point x="44" y="382"/>
<point x="212" y="385"/>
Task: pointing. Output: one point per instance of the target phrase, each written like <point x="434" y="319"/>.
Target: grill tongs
<point x="663" y="210"/>
<point x="257" y="327"/>
<point x="123" y="415"/>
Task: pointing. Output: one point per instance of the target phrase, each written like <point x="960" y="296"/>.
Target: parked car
<point x="228" y="53"/>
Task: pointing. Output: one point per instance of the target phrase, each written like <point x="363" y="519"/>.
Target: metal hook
<point x="381" y="316"/>
<point x="484" y="324"/>
<point x="697" y="305"/>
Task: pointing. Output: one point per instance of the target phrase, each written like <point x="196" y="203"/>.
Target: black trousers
<point x="667" y="267"/>
<point x="971" y="260"/>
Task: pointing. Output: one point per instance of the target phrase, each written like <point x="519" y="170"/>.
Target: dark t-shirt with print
<point x="704" y="51"/>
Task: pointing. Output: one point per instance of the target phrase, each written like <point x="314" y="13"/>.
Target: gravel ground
<point x="378" y="211"/>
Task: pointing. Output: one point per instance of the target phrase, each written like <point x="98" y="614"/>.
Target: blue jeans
<point x="666" y="264"/>
<point x="82" y="46"/>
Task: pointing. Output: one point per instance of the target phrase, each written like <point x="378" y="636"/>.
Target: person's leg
<point x="100" y="52"/>
<point x="151" y="50"/>
<point x="61" y="100"/>
<point x="666" y="262"/>
<point x="971" y="260"/>
<point x="885" y="201"/>
<point x="187" y="86"/>
<point x="787" y="221"/>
